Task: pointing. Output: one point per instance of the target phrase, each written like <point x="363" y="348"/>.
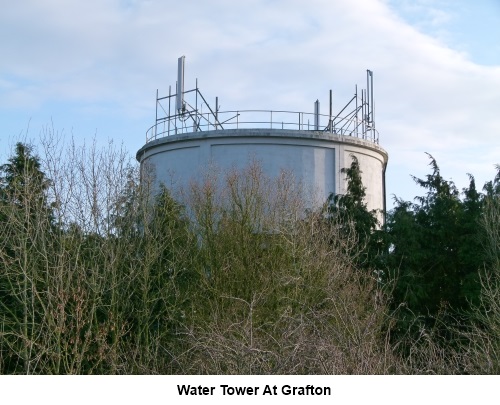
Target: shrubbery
<point x="239" y="277"/>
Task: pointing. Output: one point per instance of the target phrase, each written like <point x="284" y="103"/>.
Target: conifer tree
<point x="351" y="213"/>
<point x="27" y="223"/>
<point x="435" y="252"/>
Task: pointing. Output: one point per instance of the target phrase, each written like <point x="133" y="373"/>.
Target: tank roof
<point x="186" y="112"/>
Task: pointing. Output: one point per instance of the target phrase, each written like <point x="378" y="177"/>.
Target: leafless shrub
<point x="278" y="293"/>
<point x="81" y="280"/>
<point x="243" y="279"/>
<point x="481" y="351"/>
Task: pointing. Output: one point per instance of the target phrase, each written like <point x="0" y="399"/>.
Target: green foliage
<point x="88" y="301"/>
<point x="350" y="212"/>
<point x="239" y="279"/>
<point x="481" y="345"/>
<point x="269" y="286"/>
<point x="351" y="207"/>
<point x="27" y="237"/>
<point x="22" y="175"/>
<point x="436" y="252"/>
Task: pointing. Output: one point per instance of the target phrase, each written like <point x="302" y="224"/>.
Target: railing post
<point x="156" y="114"/>
<point x="316" y="115"/>
<point x="169" y="97"/>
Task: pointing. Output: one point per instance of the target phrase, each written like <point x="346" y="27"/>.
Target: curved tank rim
<point x="261" y="132"/>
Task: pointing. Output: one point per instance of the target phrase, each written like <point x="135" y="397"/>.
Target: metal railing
<point x="194" y="121"/>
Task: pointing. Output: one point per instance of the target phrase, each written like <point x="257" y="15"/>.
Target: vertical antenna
<point x="179" y="101"/>
<point x="369" y="94"/>
<point x="330" y="122"/>
<point x="316" y="115"/>
<point x="372" y="102"/>
<point x="368" y="97"/>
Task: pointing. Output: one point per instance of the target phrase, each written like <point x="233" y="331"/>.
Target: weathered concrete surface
<point x="314" y="157"/>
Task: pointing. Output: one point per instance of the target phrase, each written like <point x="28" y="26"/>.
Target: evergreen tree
<point x="490" y="219"/>
<point x="25" y="239"/>
<point x="435" y="252"/>
<point x="352" y="214"/>
<point x="22" y="182"/>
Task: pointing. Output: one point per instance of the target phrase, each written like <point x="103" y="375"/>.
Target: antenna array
<point x="356" y="118"/>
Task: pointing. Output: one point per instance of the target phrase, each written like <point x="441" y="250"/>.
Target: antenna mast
<point x="179" y="101"/>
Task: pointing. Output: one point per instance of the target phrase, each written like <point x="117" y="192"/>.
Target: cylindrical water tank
<point x="314" y="158"/>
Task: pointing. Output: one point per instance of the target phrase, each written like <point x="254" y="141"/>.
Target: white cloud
<point x="258" y="54"/>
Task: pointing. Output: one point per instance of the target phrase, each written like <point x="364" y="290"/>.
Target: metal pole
<point x="168" y="118"/>
<point x="316" y="115"/>
<point x="196" y="108"/>
<point x="369" y="95"/>
<point x="216" y="111"/>
<point x="371" y="103"/>
<point x="373" y="106"/>
<point x="156" y="116"/>
<point x="175" y="116"/>
<point x="363" y="113"/>
<point x="356" y="123"/>
<point x="180" y="84"/>
<point x="330" y="123"/>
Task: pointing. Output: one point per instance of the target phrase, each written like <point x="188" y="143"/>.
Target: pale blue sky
<point x="92" y="68"/>
<point x="472" y="27"/>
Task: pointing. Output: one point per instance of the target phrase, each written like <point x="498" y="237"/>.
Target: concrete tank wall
<point x="315" y="159"/>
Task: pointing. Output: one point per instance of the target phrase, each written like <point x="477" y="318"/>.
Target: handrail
<point x="193" y="121"/>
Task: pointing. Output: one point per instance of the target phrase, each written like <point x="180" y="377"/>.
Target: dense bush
<point x="237" y="277"/>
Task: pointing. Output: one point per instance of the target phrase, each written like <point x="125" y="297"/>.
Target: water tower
<point x="189" y="137"/>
